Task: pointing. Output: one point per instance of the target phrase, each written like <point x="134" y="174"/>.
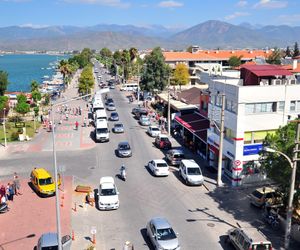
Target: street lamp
<point x="293" y="165"/>
<point x="55" y="168"/>
<point x="4" y="127"/>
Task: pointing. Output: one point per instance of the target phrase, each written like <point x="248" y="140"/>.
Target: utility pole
<point x="138" y="83"/>
<point x="219" y="180"/>
<point x="292" y="190"/>
<point x="4" y="128"/>
<point x="169" y="108"/>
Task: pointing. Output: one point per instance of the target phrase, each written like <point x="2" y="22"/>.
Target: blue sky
<point x="170" y="13"/>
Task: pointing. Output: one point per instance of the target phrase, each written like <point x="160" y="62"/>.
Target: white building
<point x="264" y="99"/>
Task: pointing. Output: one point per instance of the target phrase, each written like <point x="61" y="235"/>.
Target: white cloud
<point x="290" y="19"/>
<point x="112" y="3"/>
<point x="235" y="15"/>
<point x="270" y="4"/>
<point x="33" y="26"/>
<point x="170" y="4"/>
<point x="242" y="3"/>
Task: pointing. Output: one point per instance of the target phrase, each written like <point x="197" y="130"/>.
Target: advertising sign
<point x="252" y="149"/>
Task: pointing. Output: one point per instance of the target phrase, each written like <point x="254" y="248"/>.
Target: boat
<point x="46" y="77"/>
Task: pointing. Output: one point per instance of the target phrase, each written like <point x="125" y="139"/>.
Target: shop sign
<point x="252" y="149"/>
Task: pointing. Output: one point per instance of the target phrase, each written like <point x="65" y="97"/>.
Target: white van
<point x="100" y="115"/>
<point x="97" y="106"/>
<point x="190" y="172"/>
<point x="101" y="131"/>
<point x="129" y="87"/>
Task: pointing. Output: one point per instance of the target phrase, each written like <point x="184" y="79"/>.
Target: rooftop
<point x="267" y="70"/>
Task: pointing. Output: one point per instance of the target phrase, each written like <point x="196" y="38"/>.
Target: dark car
<point x="163" y="142"/>
<point x="141" y="112"/>
<point x="124" y="149"/>
<point x="109" y="100"/>
<point x="135" y="110"/>
<point x="114" y="116"/>
<point x="174" y="156"/>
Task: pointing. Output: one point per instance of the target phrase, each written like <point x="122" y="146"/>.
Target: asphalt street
<point x="201" y="216"/>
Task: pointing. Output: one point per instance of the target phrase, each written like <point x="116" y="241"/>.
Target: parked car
<point x="153" y="131"/>
<point x="266" y="195"/>
<point x="135" y="109"/>
<point x="49" y="241"/>
<point x="111" y="107"/>
<point x="42" y="182"/>
<point x="141" y="112"/>
<point x="118" y="128"/>
<point x="145" y="120"/>
<point x="163" y="142"/>
<point x="158" y="167"/>
<point x="124" y="149"/>
<point x="190" y="172"/>
<point x="174" y="156"/>
<point x="248" y="238"/>
<point x="108" y="194"/>
<point x="161" y="234"/>
<point x="114" y="116"/>
<point x="109" y="100"/>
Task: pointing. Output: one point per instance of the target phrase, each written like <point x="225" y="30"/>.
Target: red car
<point x="163" y="142"/>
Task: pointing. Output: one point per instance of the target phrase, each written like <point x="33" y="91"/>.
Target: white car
<point x="108" y="194"/>
<point x="153" y="131"/>
<point x="190" y="172"/>
<point x="111" y="107"/>
<point x="159" y="167"/>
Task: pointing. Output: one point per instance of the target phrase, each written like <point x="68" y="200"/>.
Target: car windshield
<point x="46" y="181"/>
<point x="257" y="194"/>
<point x="118" y="126"/>
<point x="50" y="248"/>
<point x="166" y="234"/>
<point x="262" y="246"/>
<point x="161" y="165"/>
<point x="102" y="130"/>
<point x="114" y="114"/>
<point x="178" y="156"/>
<point x="165" y="139"/>
<point x="124" y="146"/>
<point x="193" y="171"/>
<point x="107" y="192"/>
<point x="155" y="129"/>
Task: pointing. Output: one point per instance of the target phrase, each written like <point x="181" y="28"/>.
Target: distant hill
<point x="210" y="34"/>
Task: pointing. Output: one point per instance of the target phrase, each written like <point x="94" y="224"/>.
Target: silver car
<point x="49" y="241"/>
<point x="118" y="128"/>
<point x="174" y="156"/>
<point x="124" y="149"/>
<point x="162" y="235"/>
<point x="111" y="107"/>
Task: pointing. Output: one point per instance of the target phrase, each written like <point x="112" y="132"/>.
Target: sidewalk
<point x="65" y="134"/>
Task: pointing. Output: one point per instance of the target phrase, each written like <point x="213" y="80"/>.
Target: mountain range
<point x="211" y="34"/>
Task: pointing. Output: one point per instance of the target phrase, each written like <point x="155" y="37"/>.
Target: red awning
<point x="195" y="123"/>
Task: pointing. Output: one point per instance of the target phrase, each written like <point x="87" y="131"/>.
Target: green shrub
<point x="15" y="118"/>
<point x="14" y="136"/>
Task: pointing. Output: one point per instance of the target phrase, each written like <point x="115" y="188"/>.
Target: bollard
<point x="73" y="236"/>
<point x="94" y="239"/>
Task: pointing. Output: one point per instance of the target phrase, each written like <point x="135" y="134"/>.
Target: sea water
<point x="23" y="69"/>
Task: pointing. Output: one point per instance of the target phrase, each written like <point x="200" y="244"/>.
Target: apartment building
<point x="261" y="100"/>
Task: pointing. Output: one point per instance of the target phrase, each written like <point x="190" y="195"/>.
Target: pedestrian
<point x="84" y="122"/>
<point x="76" y="125"/>
<point x="2" y="190"/>
<point x="67" y="116"/>
<point x="8" y="193"/>
<point x="12" y="191"/>
<point x="42" y="119"/>
<point x="17" y="184"/>
<point x="79" y="110"/>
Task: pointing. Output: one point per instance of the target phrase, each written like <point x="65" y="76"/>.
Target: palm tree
<point x="65" y="69"/>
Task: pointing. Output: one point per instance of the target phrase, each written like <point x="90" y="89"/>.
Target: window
<point x="250" y="108"/>
<point x="280" y="106"/>
<point x="229" y="134"/>
<point x="298" y="106"/>
<point x="265" y="107"/>
<point x="293" y="106"/>
<point x="230" y="106"/>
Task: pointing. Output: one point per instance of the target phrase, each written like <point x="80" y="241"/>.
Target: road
<point x="201" y="216"/>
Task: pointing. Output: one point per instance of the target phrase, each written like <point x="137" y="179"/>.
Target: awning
<point x="177" y="105"/>
<point x="195" y="123"/>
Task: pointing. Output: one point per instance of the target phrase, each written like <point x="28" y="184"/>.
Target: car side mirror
<point x="118" y="192"/>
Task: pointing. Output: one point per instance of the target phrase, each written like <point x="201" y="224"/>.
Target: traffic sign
<point x="237" y="162"/>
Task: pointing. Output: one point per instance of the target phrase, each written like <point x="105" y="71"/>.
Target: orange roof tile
<point x="214" y="55"/>
<point x="290" y="68"/>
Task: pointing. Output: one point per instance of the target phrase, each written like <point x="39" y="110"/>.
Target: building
<point x="262" y="99"/>
<point x="212" y="61"/>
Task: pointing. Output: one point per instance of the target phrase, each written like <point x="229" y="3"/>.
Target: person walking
<point x="76" y="125"/>
<point x="17" y="184"/>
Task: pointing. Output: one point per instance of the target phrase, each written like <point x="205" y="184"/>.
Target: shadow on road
<point x="146" y="239"/>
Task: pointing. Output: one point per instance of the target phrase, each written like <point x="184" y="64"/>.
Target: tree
<point x="275" y="57"/>
<point x="34" y="86"/>
<point x="105" y="52"/>
<point x="277" y="166"/>
<point x="189" y="49"/>
<point x="155" y="74"/>
<point x="36" y="95"/>
<point x="235" y="61"/>
<point x="22" y="106"/>
<point x="64" y="68"/>
<point x="133" y="54"/>
<point x="288" y="52"/>
<point x="3" y="102"/>
<point x="181" y="74"/>
<point x="3" y="82"/>
<point x="296" y="50"/>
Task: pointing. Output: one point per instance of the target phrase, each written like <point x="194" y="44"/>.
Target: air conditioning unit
<point x="278" y="82"/>
<point x="293" y="81"/>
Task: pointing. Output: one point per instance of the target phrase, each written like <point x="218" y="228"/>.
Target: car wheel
<point x="186" y="182"/>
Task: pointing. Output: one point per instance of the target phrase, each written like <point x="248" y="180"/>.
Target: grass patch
<point x="12" y="132"/>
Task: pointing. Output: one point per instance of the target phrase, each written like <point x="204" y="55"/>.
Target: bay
<point x="22" y="69"/>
